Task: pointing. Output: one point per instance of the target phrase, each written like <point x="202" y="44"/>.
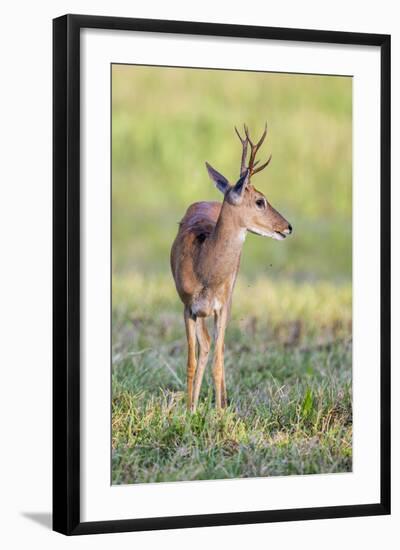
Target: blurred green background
<point x="167" y="121"/>
<point x="288" y="344"/>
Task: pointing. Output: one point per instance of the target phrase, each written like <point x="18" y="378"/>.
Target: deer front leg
<point x="190" y="324"/>
<point x="203" y="339"/>
<point x="224" y="396"/>
<point x="220" y="318"/>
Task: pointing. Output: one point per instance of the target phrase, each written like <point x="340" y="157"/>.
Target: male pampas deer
<point x="205" y="259"/>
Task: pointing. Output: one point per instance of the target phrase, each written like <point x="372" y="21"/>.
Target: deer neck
<point x="224" y="246"/>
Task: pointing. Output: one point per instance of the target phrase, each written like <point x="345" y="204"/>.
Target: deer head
<point x="250" y="207"/>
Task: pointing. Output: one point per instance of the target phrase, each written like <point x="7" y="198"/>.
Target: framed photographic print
<point x="221" y="274"/>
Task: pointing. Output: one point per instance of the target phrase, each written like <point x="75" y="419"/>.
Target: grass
<point x="288" y="345"/>
<point x="289" y="383"/>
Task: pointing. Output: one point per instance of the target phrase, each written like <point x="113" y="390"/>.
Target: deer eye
<point x="260" y="203"/>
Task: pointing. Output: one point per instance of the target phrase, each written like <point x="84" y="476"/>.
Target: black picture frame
<point x="66" y="273"/>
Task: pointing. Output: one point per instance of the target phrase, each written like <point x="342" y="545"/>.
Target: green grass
<point x="288" y="344"/>
<point x="288" y="379"/>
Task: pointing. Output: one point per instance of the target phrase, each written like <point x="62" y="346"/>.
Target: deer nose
<point x="288" y="230"/>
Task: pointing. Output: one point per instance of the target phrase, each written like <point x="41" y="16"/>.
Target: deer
<point x="205" y="258"/>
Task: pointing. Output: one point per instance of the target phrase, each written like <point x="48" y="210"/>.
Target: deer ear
<point x="220" y="181"/>
<point x="239" y="187"/>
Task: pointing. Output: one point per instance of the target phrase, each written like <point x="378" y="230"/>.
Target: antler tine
<point x="244" y="142"/>
<point x="246" y="131"/>
<point x="262" y="166"/>
<point x="254" y="148"/>
<point x="260" y="141"/>
<point x="262" y="138"/>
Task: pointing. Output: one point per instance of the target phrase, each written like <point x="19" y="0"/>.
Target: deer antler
<point x="244" y="142"/>
<point x="254" y="149"/>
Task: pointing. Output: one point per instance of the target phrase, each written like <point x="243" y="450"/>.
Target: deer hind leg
<point x="218" y="366"/>
<point x="190" y="325"/>
<point x="203" y="339"/>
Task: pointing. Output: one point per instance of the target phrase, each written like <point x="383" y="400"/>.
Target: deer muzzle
<point x="280" y="235"/>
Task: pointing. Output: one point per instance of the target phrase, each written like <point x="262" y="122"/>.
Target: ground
<point x="288" y="369"/>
